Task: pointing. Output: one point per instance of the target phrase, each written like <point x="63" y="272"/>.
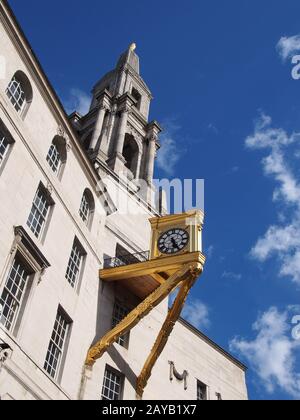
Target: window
<point x="57" y="344"/>
<point x="201" y="391"/>
<point x="137" y="96"/>
<point x="53" y="158"/>
<point x="87" y="207"/>
<point x="75" y="263"/>
<point x="19" y="92"/>
<point x="39" y="211"/>
<point x="131" y="153"/>
<point x="6" y="141"/>
<point x="119" y="313"/>
<point x="57" y="155"/>
<point x="4" y="145"/>
<point x="112" y="385"/>
<point x="13" y="293"/>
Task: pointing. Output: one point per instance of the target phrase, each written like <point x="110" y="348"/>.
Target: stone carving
<point x="180" y="377"/>
<point x="5" y="351"/>
<point x="132" y="131"/>
<point x="68" y="146"/>
<point x="61" y="132"/>
<point x="49" y="188"/>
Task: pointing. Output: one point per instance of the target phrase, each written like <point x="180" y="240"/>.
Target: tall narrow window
<point x="53" y="158"/>
<point x="13" y="293"/>
<point x="57" y="155"/>
<point x="112" y="385"/>
<point x="119" y="313"/>
<point x="39" y="211"/>
<point x="19" y="92"/>
<point x="75" y="263"/>
<point x="87" y="207"/>
<point x="57" y="344"/>
<point x="201" y="391"/>
<point x="4" y="145"/>
<point x="16" y="93"/>
<point x="6" y="142"/>
<point x="137" y="96"/>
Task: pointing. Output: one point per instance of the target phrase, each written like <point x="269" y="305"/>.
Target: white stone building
<point x="58" y="223"/>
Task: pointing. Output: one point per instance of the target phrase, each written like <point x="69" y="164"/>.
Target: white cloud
<point x="288" y="46"/>
<point x="170" y="152"/>
<point x="168" y="155"/>
<point x="210" y="250"/>
<point x="276" y="240"/>
<point x="281" y="240"/>
<point x="273" y="353"/>
<point x="197" y="314"/>
<point x="77" y="101"/>
<point x="231" y="275"/>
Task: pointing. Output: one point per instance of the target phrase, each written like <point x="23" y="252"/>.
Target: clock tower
<point x="116" y="132"/>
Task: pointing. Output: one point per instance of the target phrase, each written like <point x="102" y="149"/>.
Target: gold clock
<point x="176" y="234"/>
<point x="173" y="241"/>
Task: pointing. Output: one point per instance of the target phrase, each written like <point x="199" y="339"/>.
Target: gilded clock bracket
<point x="153" y="281"/>
<point x="166" y="330"/>
<point x="140" y="312"/>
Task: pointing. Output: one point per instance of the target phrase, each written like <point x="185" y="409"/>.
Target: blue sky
<point x="223" y="89"/>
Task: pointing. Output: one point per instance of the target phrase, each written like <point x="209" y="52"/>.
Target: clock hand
<point x="174" y="243"/>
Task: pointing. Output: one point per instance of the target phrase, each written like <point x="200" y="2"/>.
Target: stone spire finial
<point x="132" y="46"/>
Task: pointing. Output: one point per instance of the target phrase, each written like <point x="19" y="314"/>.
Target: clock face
<point x="172" y="241"/>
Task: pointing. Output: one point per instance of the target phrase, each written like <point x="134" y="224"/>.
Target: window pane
<point x="16" y="94"/>
<point x="12" y="294"/>
<point x="201" y="391"/>
<point x="38" y="213"/>
<point x="120" y="312"/>
<point x="53" y="158"/>
<point x="84" y="210"/>
<point x="112" y="385"/>
<point x="56" y="345"/>
<point x="4" y="144"/>
<point x="74" y="265"/>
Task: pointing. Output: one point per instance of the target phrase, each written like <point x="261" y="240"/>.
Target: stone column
<point x="121" y="132"/>
<point x="98" y="127"/>
<point x="150" y="159"/>
<point x="138" y="166"/>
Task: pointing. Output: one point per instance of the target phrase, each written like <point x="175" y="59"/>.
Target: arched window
<point x="87" y="207"/>
<point x="57" y="155"/>
<point x="19" y="91"/>
<point x="138" y="97"/>
<point x="130" y="153"/>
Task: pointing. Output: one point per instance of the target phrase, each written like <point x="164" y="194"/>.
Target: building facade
<point x="60" y="224"/>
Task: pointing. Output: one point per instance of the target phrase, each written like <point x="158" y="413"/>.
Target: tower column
<point x="138" y="166"/>
<point x="111" y="125"/>
<point x="150" y="159"/>
<point x="98" y="126"/>
<point x="122" y="132"/>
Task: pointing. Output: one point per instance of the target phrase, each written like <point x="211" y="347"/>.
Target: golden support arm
<point x="140" y="312"/>
<point x="166" y="330"/>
